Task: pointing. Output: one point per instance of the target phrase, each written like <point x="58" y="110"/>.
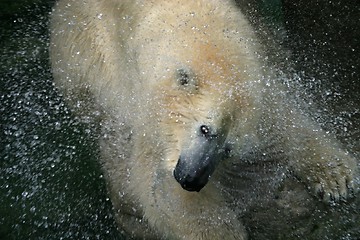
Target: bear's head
<point x="202" y="90"/>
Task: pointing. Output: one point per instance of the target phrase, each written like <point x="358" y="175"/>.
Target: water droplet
<point x="32" y="209"/>
<point x="24" y="194"/>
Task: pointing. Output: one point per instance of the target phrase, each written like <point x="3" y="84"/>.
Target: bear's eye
<point x="186" y="79"/>
<point x="183" y="77"/>
<point x="205" y="130"/>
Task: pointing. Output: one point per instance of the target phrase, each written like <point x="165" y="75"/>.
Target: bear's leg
<point x="318" y="160"/>
<point x="115" y="147"/>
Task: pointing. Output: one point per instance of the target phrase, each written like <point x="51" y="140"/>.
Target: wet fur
<point x="127" y="56"/>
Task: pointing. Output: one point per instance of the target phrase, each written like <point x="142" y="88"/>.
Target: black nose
<point x="193" y="181"/>
<point x="198" y="159"/>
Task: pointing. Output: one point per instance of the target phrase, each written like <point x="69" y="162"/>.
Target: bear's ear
<point x="186" y="79"/>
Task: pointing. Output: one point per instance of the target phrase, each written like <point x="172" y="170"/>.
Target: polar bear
<point x="193" y="126"/>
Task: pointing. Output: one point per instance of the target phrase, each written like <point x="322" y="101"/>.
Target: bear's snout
<point x="191" y="180"/>
<point x="198" y="159"/>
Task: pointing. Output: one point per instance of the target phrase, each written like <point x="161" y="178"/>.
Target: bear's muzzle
<point x="198" y="160"/>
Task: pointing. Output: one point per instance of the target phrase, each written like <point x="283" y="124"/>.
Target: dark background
<point x="50" y="183"/>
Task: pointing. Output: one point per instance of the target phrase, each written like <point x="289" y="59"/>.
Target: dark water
<point x="51" y="186"/>
<point x="50" y="183"/>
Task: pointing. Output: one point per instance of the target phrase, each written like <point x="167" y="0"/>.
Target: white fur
<point x="121" y="58"/>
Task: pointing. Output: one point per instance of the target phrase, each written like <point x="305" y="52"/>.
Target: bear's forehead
<point x="208" y="59"/>
<point x="185" y="20"/>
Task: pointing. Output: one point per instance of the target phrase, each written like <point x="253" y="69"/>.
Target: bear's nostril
<point x="205" y="130"/>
